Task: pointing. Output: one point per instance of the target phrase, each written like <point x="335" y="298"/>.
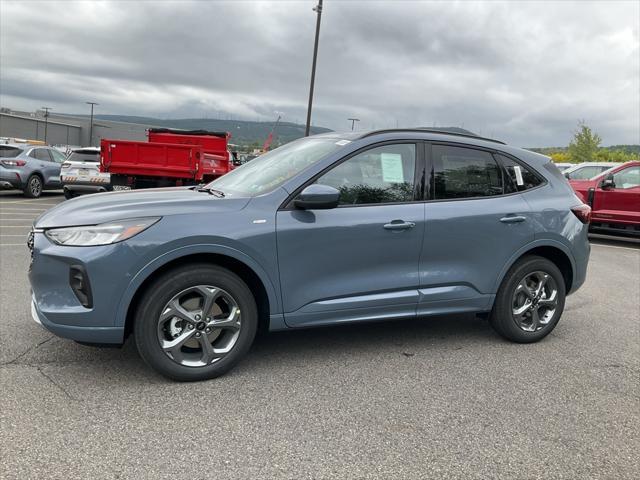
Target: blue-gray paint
<point x="318" y="267"/>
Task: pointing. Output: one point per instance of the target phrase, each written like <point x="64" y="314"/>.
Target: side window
<point x="464" y="173"/>
<point x="627" y="178"/>
<point x="380" y="175"/>
<point x="40" y="154"/>
<point x="519" y="177"/>
<point x="58" y="157"/>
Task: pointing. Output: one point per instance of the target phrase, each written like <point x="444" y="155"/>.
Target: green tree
<point x="585" y="144"/>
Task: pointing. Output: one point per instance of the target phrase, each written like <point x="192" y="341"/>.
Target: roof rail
<point x="431" y="130"/>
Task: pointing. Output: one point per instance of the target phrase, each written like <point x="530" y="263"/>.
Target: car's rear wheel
<point x="33" y="188"/>
<point x="195" y="322"/>
<point x="530" y="300"/>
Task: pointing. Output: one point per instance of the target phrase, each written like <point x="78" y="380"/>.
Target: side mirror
<point x="317" y="197"/>
<point x="608" y="183"/>
<point x="567" y="175"/>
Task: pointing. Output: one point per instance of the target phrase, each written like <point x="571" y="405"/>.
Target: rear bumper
<point x="10" y="179"/>
<point x="85" y="188"/>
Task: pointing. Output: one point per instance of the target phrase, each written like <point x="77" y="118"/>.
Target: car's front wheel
<point x="530" y="300"/>
<point x="33" y="188"/>
<point x="195" y="322"/>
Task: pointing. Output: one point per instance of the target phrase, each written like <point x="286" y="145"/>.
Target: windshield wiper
<point x="211" y="191"/>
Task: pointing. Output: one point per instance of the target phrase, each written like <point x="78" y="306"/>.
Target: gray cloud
<point x="524" y="72"/>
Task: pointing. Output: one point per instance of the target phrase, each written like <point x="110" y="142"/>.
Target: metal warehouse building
<point x="66" y="129"/>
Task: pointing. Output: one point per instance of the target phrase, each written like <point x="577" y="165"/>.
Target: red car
<point x="614" y="198"/>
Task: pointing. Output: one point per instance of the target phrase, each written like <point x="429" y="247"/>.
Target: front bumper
<point x="79" y="334"/>
<point x="57" y="307"/>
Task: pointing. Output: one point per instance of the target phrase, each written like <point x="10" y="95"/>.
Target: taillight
<point x="583" y="212"/>
<point x="13" y="163"/>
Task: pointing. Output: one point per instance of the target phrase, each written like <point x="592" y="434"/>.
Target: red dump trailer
<point x="169" y="158"/>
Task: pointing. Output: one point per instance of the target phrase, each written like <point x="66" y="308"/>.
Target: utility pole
<point x="91" y="123"/>
<point x="318" y="10"/>
<point x="46" y="119"/>
<point x="353" y="122"/>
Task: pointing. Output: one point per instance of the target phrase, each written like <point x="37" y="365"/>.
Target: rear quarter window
<point x="519" y="178"/>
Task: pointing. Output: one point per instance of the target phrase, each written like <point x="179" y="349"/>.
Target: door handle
<point x="399" y="225"/>
<point x="513" y="219"/>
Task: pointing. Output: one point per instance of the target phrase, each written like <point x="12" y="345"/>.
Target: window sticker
<point x="518" y="170"/>
<point x="342" y="143"/>
<point x="391" y="164"/>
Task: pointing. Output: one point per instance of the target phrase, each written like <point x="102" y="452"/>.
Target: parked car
<point x="614" y="197"/>
<point x="80" y="173"/>
<point x="587" y="170"/>
<point x="563" y="166"/>
<point x="30" y="168"/>
<point x="329" y="229"/>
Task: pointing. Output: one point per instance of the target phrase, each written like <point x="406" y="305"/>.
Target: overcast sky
<point x="522" y="72"/>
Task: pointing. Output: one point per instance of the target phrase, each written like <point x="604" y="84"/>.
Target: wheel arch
<point x="256" y="279"/>
<point x="553" y="251"/>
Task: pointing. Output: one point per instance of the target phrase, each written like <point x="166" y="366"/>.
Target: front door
<point x="358" y="261"/>
<point x="620" y="204"/>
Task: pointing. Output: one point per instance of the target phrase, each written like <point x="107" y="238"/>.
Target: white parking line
<point x="25" y="202"/>
<point x="13" y="244"/>
<point x="16" y="219"/>
<point x="21" y="209"/>
<point x="11" y="235"/>
<point x="15" y="226"/>
<point x="614" y="246"/>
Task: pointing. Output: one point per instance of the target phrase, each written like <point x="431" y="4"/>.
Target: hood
<point x="157" y="202"/>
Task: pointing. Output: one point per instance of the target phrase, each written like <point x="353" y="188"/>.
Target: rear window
<point x="84" y="157"/>
<point x="9" y="152"/>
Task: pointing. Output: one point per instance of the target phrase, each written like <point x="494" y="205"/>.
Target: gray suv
<point x="329" y="229"/>
<point x="30" y="168"/>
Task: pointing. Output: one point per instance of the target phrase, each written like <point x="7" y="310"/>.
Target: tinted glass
<point x="41" y="154"/>
<point x="9" y="152"/>
<point x="464" y="173"/>
<point x="585" y="173"/>
<point x="627" y="178"/>
<point x="518" y="177"/>
<point x="58" y="157"/>
<point x="380" y="175"/>
<point x="84" y="157"/>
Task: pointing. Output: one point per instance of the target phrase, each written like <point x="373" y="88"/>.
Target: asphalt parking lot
<point x="434" y="398"/>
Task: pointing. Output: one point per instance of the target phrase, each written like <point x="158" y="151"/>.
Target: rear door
<point x="49" y="169"/>
<point x="620" y="204"/>
<point x="476" y="220"/>
<point x="358" y="261"/>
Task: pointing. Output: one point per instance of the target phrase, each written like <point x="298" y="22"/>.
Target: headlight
<point x="103" y="234"/>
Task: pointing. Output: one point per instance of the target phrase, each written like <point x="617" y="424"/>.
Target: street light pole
<point x="46" y="118"/>
<point x="318" y="10"/>
<point x="91" y="123"/>
<point x="353" y="122"/>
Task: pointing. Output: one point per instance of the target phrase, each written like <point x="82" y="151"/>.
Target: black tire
<point x="68" y="194"/>
<point x="502" y="317"/>
<point x="162" y="290"/>
<point x="33" y="187"/>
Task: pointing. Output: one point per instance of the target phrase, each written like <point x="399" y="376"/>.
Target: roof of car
<point x="577" y="166"/>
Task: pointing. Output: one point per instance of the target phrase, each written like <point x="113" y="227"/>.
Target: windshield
<point x="267" y="172"/>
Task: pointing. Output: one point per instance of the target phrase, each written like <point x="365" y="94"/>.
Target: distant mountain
<point x="242" y="132"/>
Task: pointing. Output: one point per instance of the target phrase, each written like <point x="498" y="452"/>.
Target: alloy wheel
<point x="35" y="186"/>
<point x="535" y="300"/>
<point x="199" y="326"/>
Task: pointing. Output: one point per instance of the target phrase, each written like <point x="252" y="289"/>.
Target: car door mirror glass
<point x="317" y="197"/>
<point x="608" y="183"/>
